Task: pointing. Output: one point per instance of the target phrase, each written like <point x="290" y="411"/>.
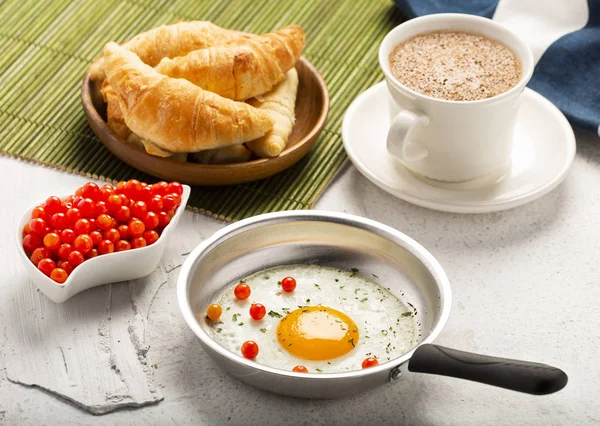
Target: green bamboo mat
<point x="47" y="45"/>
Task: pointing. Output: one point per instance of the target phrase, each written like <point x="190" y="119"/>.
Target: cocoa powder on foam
<point x="456" y="66"/>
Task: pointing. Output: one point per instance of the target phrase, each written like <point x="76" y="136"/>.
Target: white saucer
<point x="544" y="149"/>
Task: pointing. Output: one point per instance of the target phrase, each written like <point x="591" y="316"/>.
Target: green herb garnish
<point x="317" y="285"/>
<point x="384" y="332"/>
<point x="240" y="324"/>
<point x="319" y="370"/>
<point x="407" y="314"/>
<point x="274" y="314"/>
<point x="219" y="330"/>
<point x="264" y="330"/>
<point x="351" y="341"/>
<point x="365" y="299"/>
<point x="307" y="300"/>
<point x="235" y="317"/>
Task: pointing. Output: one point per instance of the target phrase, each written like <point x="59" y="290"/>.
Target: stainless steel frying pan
<point x="343" y="241"/>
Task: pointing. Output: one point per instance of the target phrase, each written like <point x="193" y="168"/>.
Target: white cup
<point x="453" y="141"/>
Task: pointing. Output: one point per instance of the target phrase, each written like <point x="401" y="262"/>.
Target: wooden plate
<point x="312" y="106"/>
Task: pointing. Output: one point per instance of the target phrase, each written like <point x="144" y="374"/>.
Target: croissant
<point x="240" y="70"/>
<point x="280" y="103"/>
<point x="172" y="40"/>
<point x="173" y="115"/>
<point x="114" y="115"/>
<point x="228" y="155"/>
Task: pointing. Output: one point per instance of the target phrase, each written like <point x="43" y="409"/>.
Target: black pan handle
<point x="522" y="376"/>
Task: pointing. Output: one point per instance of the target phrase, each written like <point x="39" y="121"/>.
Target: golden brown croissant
<point x="240" y="70"/>
<point x="172" y="40"/>
<point x="115" y="119"/>
<point x="280" y="103"/>
<point x="173" y="115"/>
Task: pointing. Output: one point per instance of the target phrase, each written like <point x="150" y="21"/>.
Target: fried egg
<point x="329" y="323"/>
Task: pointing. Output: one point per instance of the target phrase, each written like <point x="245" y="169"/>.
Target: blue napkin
<point x="564" y="36"/>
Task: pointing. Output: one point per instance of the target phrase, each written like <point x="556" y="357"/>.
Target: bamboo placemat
<point x="47" y="46"/>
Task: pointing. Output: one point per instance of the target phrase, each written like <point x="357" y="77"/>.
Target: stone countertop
<point x="526" y="285"/>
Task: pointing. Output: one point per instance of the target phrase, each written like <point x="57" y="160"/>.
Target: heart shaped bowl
<point x="104" y="269"/>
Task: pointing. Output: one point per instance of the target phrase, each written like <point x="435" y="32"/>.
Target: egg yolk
<point x="317" y="333"/>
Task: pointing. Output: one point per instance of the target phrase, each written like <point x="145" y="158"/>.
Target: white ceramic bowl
<point x="104" y="269"/>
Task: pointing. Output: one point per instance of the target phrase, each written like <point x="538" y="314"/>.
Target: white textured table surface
<point x="526" y="284"/>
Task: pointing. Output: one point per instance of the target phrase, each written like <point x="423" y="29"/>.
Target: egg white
<point x="386" y="325"/>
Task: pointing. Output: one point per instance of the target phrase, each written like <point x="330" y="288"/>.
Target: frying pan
<point x="343" y="241"/>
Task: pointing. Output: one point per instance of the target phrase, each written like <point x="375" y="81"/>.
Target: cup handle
<point x="398" y="143"/>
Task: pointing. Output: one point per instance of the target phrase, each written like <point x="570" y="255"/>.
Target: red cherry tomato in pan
<point x="300" y="369"/>
<point x="257" y="311"/>
<point x="288" y="284"/>
<point x="370" y="362"/>
<point x="242" y="291"/>
<point x="249" y="349"/>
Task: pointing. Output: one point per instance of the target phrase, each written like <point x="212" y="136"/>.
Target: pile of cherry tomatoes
<point x="94" y="221"/>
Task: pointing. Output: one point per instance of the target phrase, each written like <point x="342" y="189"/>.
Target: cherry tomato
<point x="257" y="311"/>
<point x="115" y="224"/>
<point x="139" y="209"/>
<point x="124" y="232"/>
<point x="26" y="229"/>
<point x="112" y="235"/>
<point x="123" y="214"/>
<point x="138" y="242"/>
<point x="101" y="208"/>
<point x="300" y="369"/>
<point x="39" y="254"/>
<point x="370" y="362"/>
<point x="38" y="226"/>
<point x="73" y="215"/>
<point x="52" y="241"/>
<point x="75" y="258"/>
<point x="31" y="242"/>
<point x="64" y="250"/>
<point x="155" y="204"/>
<point x="82" y="226"/>
<point x="105" y="247"/>
<point x="67" y="205"/>
<point x="58" y="221"/>
<point x="77" y="199"/>
<point x="92" y="191"/>
<point x="171" y="213"/>
<point x="214" y="312"/>
<point x="86" y="207"/>
<point x="104" y="222"/>
<point x="96" y="237"/>
<point x="175" y="188"/>
<point x="120" y="188"/>
<point x="53" y="205"/>
<point x="67" y="267"/>
<point x="106" y="190"/>
<point x="79" y="192"/>
<point x="122" y="245"/>
<point x="113" y="202"/>
<point x="39" y="212"/>
<point x="145" y="194"/>
<point x="67" y="235"/>
<point x="160" y="188"/>
<point x="150" y="236"/>
<point x="177" y="200"/>
<point x="163" y="219"/>
<point x="83" y="243"/>
<point x="124" y="200"/>
<point x="168" y="202"/>
<point x="59" y="275"/>
<point x="46" y="265"/>
<point x="249" y="349"/>
<point x="133" y="188"/>
<point x="92" y="253"/>
<point x="150" y="220"/>
<point x="136" y="227"/>
<point x="242" y="291"/>
<point x="288" y="284"/>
